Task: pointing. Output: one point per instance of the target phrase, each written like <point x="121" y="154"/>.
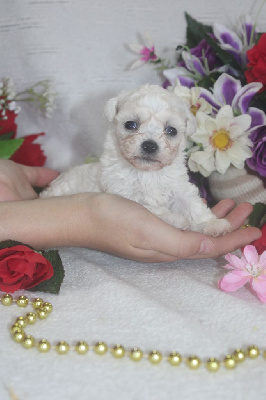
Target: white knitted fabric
<point x="239" y="185"/>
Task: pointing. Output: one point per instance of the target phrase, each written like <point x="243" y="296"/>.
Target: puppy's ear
<point x="110" y="109"/>
<point x="191" y="122"/>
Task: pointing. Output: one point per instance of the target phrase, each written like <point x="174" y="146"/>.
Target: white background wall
<point x="82" y="46"/>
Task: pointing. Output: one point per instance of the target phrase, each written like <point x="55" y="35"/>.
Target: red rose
<point x="260" y="244"/>
<point x="256" y="71"/>
<point x="30" y="153"/>
<point x="22" y="268"/>
<point x="8" y="125"/>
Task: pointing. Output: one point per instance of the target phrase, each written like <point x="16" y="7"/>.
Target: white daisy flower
<point x="191" y="96"/>
<point x="221" y="141"/>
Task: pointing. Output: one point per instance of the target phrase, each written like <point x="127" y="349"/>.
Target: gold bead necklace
<point x="42" y="309"/>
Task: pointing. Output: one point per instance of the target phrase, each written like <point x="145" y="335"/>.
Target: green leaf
<point x="208" y="81"/>
<point x="9" y="147"/>
<point x="196" y="31"/>
<point x="6" y="136"/>
<point x="259" y="101"/>
<point x="52" y="285"/>
<point x="258" y="215"/>
<point x="10" y="243"/>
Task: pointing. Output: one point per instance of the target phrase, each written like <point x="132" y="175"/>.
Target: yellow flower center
<point x="194" y="109"/>
<point x="221" y="139"/>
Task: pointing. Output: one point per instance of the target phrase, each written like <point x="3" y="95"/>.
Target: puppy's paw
<point x="217" y="227"/>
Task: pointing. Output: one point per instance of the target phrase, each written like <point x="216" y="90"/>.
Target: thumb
<point x="39" y="176"/>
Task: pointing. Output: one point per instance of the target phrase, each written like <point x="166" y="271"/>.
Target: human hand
<point x="119" y="226"/>
<point x="127" y="229"/>
<point x="17" y="181"/>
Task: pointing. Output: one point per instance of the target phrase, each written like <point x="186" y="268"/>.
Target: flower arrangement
<point x="221" y="74"/>
<point x="22" y="150"/>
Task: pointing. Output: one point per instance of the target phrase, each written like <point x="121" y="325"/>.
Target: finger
<point x="172" y="243"/>
<point x="221" y="209"/>
<point x="39" y="176"/>
<point x="215" y="247"/>
<point x="238" y="215"/>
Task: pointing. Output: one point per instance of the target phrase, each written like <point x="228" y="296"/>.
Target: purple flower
<point x="196" y="63"/>
<point x="258" y="161"/>
<point x="228" y="90"/>
<point x="204" y="52"/>
<point x="236" y="42"/>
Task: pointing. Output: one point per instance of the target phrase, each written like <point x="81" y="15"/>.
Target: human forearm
<point x="47" y="223"/>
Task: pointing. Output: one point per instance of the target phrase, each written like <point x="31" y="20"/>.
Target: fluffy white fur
<point x="144" y="160"/>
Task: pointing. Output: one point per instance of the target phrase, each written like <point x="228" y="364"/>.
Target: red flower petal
<point x="22" y="268"/>
<point x="30" y="153"/>
<point x="8" y="125"/>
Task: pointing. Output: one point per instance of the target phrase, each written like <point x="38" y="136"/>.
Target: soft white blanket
<point x="175" y="306"/>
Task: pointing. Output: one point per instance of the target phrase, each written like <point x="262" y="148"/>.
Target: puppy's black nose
<point x="149" y="146"/>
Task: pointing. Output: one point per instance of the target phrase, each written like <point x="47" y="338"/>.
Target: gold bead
<point x="100" y="348"/>
<point x="31" y="318"/>
<point x="136" y="354"/>
<point x="21" y="321"/>
<point x="155" y="357"/>
<point x="213" y="364"/>
<point x="253" y="351"/>
<point x="37" y="303"/>
<point x="43" y="346"/>
<point x="22" y="301"/>
<point x="42" y="313"/>
<point x="174" y="358"/>
<point x="47" y="306"/>
<point x="193" y="362"/>
<point x="82" y="347"/>
<point x="239" y="355"/>
<point x="6" y="299"/>
<point x="16" y="328"/>
<point x="62" y="347"/>
<point x="118" y="351"/>
<point x="229" y="362"/>
<point x="28" y="341"/>
<point x="18" y="336"/>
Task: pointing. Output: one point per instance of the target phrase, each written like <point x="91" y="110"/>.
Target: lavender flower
<point x="239" y="41"/>
<point x="228" y="90"/>
<point x="258" y="160"/>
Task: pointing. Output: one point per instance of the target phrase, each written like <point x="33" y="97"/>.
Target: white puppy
<point x="144" y="161"/>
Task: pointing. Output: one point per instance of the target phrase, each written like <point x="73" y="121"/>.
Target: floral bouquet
<point x="22" y="150"/>
<point x="221" y="74"/>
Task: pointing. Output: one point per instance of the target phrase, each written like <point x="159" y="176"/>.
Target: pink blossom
<point x="148" y="54"/>
<point x="249" y="268"/>
<point x="145" y="50"/>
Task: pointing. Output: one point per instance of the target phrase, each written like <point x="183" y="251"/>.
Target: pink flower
<point x="145" y="51"/>
<point x="249" y="268"/>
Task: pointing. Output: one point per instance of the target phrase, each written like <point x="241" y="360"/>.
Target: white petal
<point x="222" y="161"/>
<point x="136" y="64"/>
<point x="136" y="47"/>
<point x="147" y="39"/>
<point x="225" y="111"/>
<point x="243" y="120"/>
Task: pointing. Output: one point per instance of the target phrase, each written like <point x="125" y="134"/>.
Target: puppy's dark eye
<point x="131" y="125"/>
<point x="170" y="130"/>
